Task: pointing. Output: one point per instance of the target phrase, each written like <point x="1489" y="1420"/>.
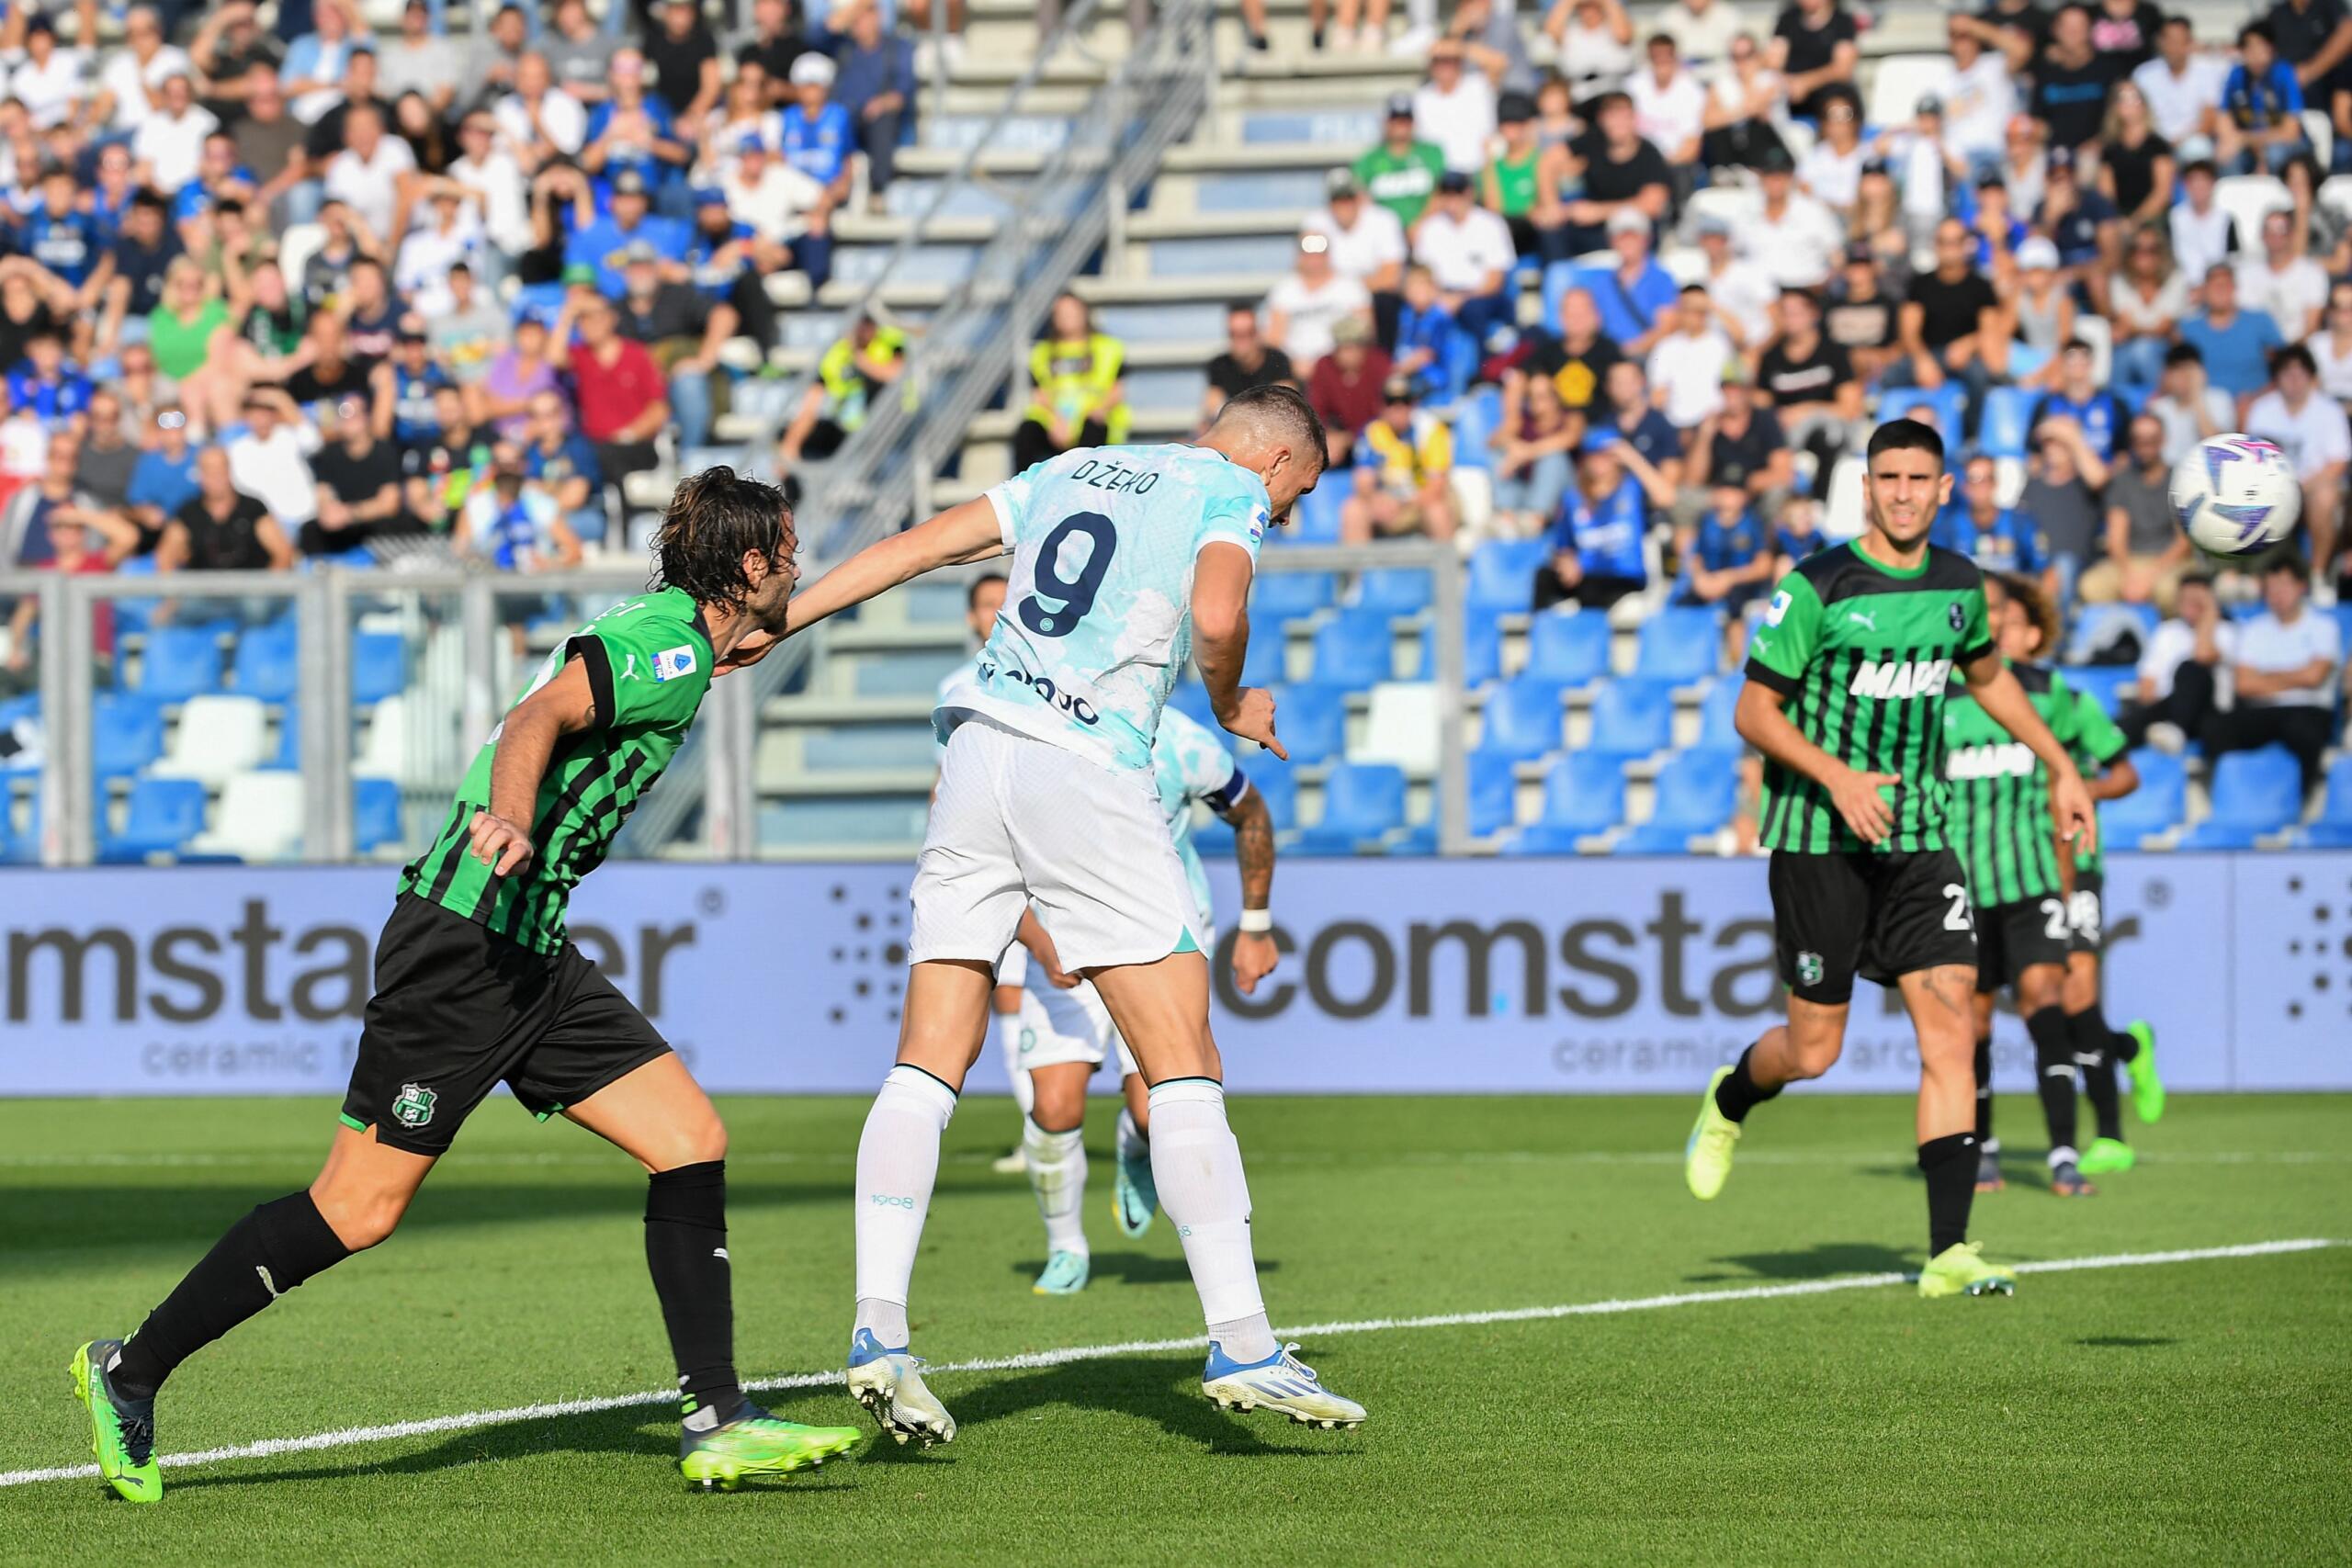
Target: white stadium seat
<point x="2248" y="199"/>
<point x="259" y="819"/>
<point x="1901" y="81"/>
<point x="384" y="753"/>
<point x="2097" y="331"/>
<point x="1402" y="728"/>
<point x="218" y="738"/>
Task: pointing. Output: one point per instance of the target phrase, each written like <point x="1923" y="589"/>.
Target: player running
<point x="1844" y="691"/>
<point x="2018" y="874"/>
<point x="1066" y="1031"/>
<point x="476" y="983"/>
<point x="1125" y="558"/>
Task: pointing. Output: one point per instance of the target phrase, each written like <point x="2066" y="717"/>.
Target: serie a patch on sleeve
<point x="672" y="663"/>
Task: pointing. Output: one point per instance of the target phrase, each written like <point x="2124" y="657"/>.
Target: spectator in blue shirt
<point x="2235" y="343"/>
<point x="633" y="132"/>
<point x="59" y="237"/>
<point x="1626" y="388"/>
<point x="599" y="244"/>
<point x="1597" y="537"/>
<point x="2261" y="105"/>
<point x="1636" y="297"/>
<point x="1425" y="333"/>
<point x="142" y="252"/>
<point x="875" y="87"/>
<point x="1727" y="558"/>
<point x="727" y="260"/>
<point x="405" y="412"/>
<point x="1996" y="537"/>
<point x="45" y="384"/>
<point x="2081" y="221"/>
<point x="560" y="462"/>
<point x="2099" y="412"/>
<point x="818" y="136"/>
<point x="1799" y="533"/>
<point x="163" y="480"/>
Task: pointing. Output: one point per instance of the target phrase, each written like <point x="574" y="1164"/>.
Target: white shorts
<point x="1057" y="1026"/>
<point x="1018" y="822"/>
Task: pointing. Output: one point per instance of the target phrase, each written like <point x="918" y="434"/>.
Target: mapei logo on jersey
<point x="2003" y="760"/>
<point x="1777" y="608"/>
<point x="672" y="662"/>
<point x="1900" y="678"/>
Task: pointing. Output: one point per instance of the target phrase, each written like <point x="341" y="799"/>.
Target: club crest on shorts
<point x="1952" y="613"/>
<point x="1028" y="1041"/>
<point x="414" y="1106"/>
<point x="672" y="662"/>
<point x="1809" y="969"/>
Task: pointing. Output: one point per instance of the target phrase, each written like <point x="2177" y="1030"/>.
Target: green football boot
<point x="756" y="1443"/>
<point x="2147" y="1088"/>
<point x="1957" y="1270"/>
<point x="1706" y="1154"/>
<point x="122" y="1431"/>
<point x="2107" y="1155"/>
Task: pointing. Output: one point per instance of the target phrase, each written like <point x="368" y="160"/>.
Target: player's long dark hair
<point x="714" y="518"/>
<point x="2027" y="595"/>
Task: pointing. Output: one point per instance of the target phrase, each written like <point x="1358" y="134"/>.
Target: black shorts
<point x="2086" y="914"/>
<point x="1879" y="916"/>
<point x="2013" y="938"/>
<point x="459" y="1008"/>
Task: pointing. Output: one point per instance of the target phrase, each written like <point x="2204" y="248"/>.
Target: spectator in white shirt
<point x="2180" y="669"/>
<point x="1686" y="369"/>
<point x="270" y="458"/>
<point x="49" y="81"/>
<point x="771" y="196"/>
<point x="1368" y="242"/>
<point x="450" y="235"/>
<point x="1744" y="292"/>
<point x="1703" y="31"/>
<point x="168" y="146"/>
<point x="538" y="121"/>
<point x="2285" y="674"/>
<point x="2191" y="407"/>
<point x="1979" y="96"/>
<point x="496" y="192"/>
<point x="1796" y="240"/>
<point x="1469" y="253"/>
<point x="1305" y="305"/>
<point x="1454" y="109"/>
<point x="2182" y="86"/>
<point x="1832" y="170"/>
<point x="2202" y="238"/>
<point x="2317" y="438"/>
<point x="1669" y="105"/>
<point x="366" y="175"/>
<point x="132" y="78"/>
<point x="1595" y="40"/>
<point x="2290" y="289"/>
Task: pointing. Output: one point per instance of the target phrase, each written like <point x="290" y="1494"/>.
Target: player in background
<point x="477" y="982"/>
<point x="1125" y="559"/>
<point x="1847" y="679"/>
<point x="2020" y="876"/>
<point x="1066" y="1031"/>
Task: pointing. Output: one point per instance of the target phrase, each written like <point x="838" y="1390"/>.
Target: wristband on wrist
<point x="1257" y="922"/>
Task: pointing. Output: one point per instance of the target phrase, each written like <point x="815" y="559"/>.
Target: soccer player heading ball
<point x="476" y="983"/>
<point x="1845" y="693"/>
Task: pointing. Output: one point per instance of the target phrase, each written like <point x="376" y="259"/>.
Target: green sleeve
<point x="1789" y="635"/>
<point x="643" y="670"/>
<point x="2096" y="736"/>
<point x="2065" y="713"/>
<point x="1975" y="626"/>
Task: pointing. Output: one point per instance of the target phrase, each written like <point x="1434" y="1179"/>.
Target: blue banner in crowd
<point x="1601" y="976"/>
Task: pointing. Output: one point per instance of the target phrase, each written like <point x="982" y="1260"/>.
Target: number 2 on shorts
<point x="1076" y="594"/>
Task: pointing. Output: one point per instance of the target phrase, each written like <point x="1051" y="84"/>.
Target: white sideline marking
<point x="1034" y="1360"/>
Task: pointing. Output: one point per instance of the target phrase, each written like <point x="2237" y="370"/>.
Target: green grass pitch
<point x="2147" y="1413"/>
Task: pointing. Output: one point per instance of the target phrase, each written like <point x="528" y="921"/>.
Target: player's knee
<point x="361" y="1219"/>
<point x="2043" y="986"/>
<point x="1060" y="1103"/>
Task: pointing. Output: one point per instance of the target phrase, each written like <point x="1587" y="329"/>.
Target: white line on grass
<point x="606" y="1161"/>
<point x="1033" y="1360"/>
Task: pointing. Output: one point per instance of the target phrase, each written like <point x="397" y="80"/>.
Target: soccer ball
<point x="2235" y="495"/>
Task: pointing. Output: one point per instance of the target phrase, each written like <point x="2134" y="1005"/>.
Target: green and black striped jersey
<point x="2097" y="745"/>
<point x="649" y="662"/>
<point x="1863" y="653"/>
<point x="2000" y="792"/>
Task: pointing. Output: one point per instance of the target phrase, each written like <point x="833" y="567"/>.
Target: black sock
<point x="1950" y="1165"/>
<point x="2054" y="1075"/>
<point x="267" y="1253"/>
<point x="685" y="1249"/>
<point x="2089" y="1035"/>
<point x="1739" y="1094"/>
<point x="1985" y="1090"/>
<point x="2121" y="1046"/>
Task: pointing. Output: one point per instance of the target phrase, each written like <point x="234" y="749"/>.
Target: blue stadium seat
<point x="268" y="661"/>
<point x="1682" y="644"/>
<point x="1280" y="596"/>
<point x="2001" y="430"/>
<point x="1522" y="720"/>
<point x="180" y="662"/>
<point x="1493" y="793"/>
<point x="1945" y="403"/>
<point x="1475" y="419"/>
<point x="2094" y="623"/>
<point x="379" y="667"/>
<point x="15" y="711"/>
<point x="289" y="741"/>
<point x="2108" y="683"/>
<point x="1696" y="793"/>
<point x="1396" y="591"/>
<point x="133" y="617"/>
<point x="2254" y="793"/>
<point x="375" y="814"/>
<point x="164" y="814"/>
<point x="1633" y="717"/>
<point x="2156" y="806"/>
<point x="1583" y="794"/>
<point x="1362" y="801"/>
<point x="126" y="733"/>
<point x="1718" y="729"/>
<point x="1482" y="650"/>
<point x="1268" y="661"/>
<point x="1568" y="648"/>
<point x="1354" y="649"/>
<point x="1502" y="573"/>
<point x="1312" y="721"/>
<point x="1273" y="779"/>
<point x="1315" y="519"/>
<point x="1213" y="840"/>
<point x="2333" y="830"/>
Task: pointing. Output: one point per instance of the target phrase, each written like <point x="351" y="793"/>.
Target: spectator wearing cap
<point x="1367" y="243"/>
<point x="1468" y="251"/>
<point x="2039" y="314"/>
<point x="1076" y="398"/>
<point x="1978" y="97"/>
<point x="559" y="462"/>
<point x="1745" y="106"/>
<point x="1511" y="182"/>
<point x="1726" y="557"/>
<point x="2282" y="680"/>
<point x="1454" y="109"/>
<point x="317" y="61"/>
<point x="2281" y="283"/>
<point x="537" y="122"/>
<point x="630" y="221"/>
<point x="2311" y="428"/>
<point x="1247" y="361"/>
<point x="1670" y="107"/>
<point x="623" y="396"/>
<point x="877" y="86"/>
<point x="1997" y="229"/>
<point x="2147" y="554"/>
<point x="633" y="132"/>
<point x="2234" y="343"/>
<point x="787" y="212"/>
<point x="852" y="373"/>
<point x="2260" y="126"/>
<point x="358" y="479"/>
<point x="683" y="329"/>
<point x="1426" y="337"/>
<point x="1598" y="533"/>
<point x="1403" y="485"/>
<point x="1594" y="41"/>
<point x="1401" y="172"/>
<point x="1795" y="238"/>
<point x="1307" y="302"/>
<point x="2182" y="85"/>
<point x="578" y="52"/>
<point x="1814" y="49"/>
<point x="1636" y="296"/>
<point x="684" y="58"/>
<point x="1346" y="387"/>
<point x="818" y="135"/>
<point x="1951" y="325"/>
<point x="1532" y="466"/>
<point x="1619" y="172"/>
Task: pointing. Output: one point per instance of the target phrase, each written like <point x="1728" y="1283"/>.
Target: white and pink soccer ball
<point x="2235" y="495"/>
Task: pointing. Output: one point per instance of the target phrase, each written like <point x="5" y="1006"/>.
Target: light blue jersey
<point x="1190" y="762"/>
<point x="1098" y="613"/>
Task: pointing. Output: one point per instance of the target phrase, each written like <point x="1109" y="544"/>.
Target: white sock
<point x="1057" y="1176"/>
<point x="898" y="1161"/>
<point x="1197" y="1167"/>
<point x="1133" y="1140"/>
<point x="2063" y="1155"/>
<point x="1007" y="1045"/>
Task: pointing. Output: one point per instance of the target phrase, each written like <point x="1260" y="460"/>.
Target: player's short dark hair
<point x="713" y="519"/>
<point x="972" y="593"/>
<point x="1283" y="406"/>
<point x="1906" y="435"/>
<point x="2293" y="354"/>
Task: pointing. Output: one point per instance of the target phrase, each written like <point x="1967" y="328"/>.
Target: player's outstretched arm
<point x="1998" y="693"/>
<point x="565" y="705"/>
<point x="1762" y="720"/>
<point x="958" y="536"/>
<point x="1221" y="640"/>
<point x="1254" y="953"/>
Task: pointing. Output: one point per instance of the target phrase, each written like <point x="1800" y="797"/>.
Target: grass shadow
<point x="1821" y="1260"/>
<point x="1160" y="1389"/>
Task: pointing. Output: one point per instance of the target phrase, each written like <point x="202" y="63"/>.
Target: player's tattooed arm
<point x="1998" y="691"/>
<point x="526" y="741"/>
<point x="1254" y="953"/>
